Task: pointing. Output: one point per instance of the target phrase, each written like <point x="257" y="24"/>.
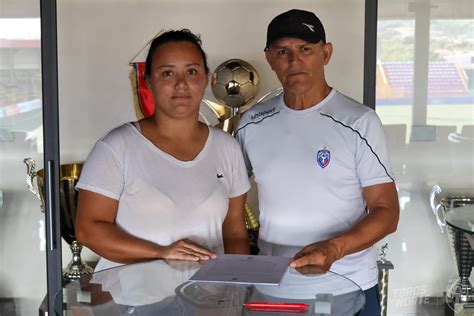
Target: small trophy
<point x="384" y="267"/>
<point x="460" y="292"/>
<point x="68" y="177"/>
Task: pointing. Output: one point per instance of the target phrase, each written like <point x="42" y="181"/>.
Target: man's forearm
<point x="382" y="220"/>
<point x="366" y="233"/>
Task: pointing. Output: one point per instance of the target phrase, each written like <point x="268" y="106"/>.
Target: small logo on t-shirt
<point x="262" y="113"/>
<point x="323" y="157"/>
<point x="220" y="176"/>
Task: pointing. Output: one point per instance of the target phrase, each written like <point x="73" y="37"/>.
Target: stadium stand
<point x="396" y="80"/>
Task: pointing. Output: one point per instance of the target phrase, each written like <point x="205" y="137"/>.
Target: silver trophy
<point x="68" y="177"/>
<point x="447" y="211"/>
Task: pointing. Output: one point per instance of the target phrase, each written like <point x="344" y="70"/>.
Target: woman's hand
<point x="186" y="249"/>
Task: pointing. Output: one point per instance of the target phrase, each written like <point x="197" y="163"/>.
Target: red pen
<point x="276" y="305"/>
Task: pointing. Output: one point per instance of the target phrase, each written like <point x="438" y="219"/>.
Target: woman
<point x="167" y="186"/>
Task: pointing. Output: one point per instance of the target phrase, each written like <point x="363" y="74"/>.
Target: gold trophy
<point x="235" y="84"/>
<point x="68" y="177"/>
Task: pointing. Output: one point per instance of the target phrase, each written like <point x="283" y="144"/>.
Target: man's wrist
<point x="339" y="245"/>
<point x="158" y="252"/>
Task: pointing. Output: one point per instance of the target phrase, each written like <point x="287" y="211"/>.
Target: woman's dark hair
<point x="183" y="35"/>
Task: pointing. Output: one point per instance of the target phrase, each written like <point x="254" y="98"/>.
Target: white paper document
<point x="243" y="269"/>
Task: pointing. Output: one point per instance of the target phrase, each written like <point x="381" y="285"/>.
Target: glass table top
<point x="462" y="218"/>
<point x="162" y="288"/>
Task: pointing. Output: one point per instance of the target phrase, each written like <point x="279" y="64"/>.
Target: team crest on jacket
<point x="323" y="157"/>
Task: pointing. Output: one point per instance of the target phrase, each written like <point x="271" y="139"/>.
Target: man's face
<point x="299" y="65"/>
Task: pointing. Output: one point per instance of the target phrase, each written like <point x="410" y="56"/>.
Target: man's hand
<point x="320" y="254"/>
<point x="186" y="249"/>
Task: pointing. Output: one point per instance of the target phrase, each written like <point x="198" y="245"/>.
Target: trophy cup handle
<point x="436" y="207"/>
<point x="30" y="176"/>
<point x="440" y="217"/>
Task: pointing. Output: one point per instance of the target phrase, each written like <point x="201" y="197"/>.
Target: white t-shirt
<point x="310" y="167"/>
<point x="163" y="199"/>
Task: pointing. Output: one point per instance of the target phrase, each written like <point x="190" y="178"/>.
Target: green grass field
<point x="441" y="115"/>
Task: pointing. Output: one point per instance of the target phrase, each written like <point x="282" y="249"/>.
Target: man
<point x="325" y="186"/>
